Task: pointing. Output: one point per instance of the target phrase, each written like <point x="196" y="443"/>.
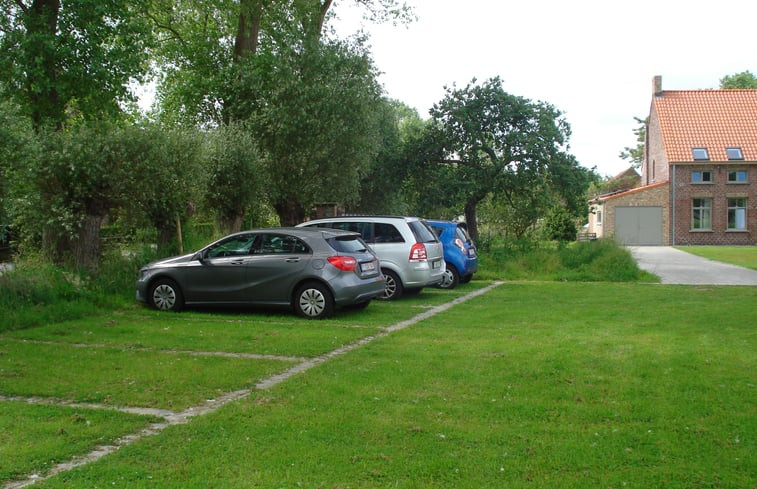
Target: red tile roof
<point x="631" y="191"/>
<point x="712" y="119"/>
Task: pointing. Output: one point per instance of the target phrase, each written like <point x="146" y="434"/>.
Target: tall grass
<point x="591" y="261"/>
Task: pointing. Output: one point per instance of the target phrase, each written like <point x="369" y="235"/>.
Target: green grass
<point x="743" y="256"/>
<point x="33" y="438"/>
<point x="534" y="384"/>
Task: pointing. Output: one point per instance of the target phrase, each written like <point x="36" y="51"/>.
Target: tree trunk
<point x="232" y="223"/>
<point x="248" y="28"/>
<point x="87" y="246"/>
<point x="471" y="219"/>
<point x="41" y="23"/>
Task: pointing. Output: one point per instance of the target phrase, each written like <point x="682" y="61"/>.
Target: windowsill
<point x="702" y="183"/>
<point x="736" y="230"/>
<point x="700" y="230"/>
<point x="737" y="183"/>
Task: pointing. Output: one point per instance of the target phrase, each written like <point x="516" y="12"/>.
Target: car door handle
<point x="293" y="260"/>
<point x="237" y="262"/>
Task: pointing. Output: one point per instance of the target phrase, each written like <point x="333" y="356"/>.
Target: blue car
<point x="459" y="252"/>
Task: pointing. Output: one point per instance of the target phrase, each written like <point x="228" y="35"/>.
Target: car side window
<point x="281" y="244"/>
<point x="387" y="233"/>
<point x="235" y="246"/>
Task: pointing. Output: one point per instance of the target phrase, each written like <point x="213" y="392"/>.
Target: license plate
<point x="368" y="267"/>
<point x="436" y="264"/>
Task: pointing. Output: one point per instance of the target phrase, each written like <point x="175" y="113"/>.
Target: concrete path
<point x="678" y="267"/>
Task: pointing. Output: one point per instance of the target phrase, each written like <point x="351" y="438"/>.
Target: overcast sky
<point x="592" y="59"/>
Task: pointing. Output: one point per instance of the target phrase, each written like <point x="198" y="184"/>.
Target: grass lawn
<point x="743" y="256"/>
<point x="534" y="384"/>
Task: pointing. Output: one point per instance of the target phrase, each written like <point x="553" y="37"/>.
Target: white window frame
<point x="702" y="210"/>
<point x="736" y="214"/>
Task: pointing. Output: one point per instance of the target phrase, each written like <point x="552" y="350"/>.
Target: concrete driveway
<point x="678" y="267"/>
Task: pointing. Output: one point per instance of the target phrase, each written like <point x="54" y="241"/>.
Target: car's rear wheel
<point x="392" y="287"/>
<point x="314" y="301"/>
<point x="466" y="278"/>
<point x="451" y="278"/>
<point x="165" y="295"/>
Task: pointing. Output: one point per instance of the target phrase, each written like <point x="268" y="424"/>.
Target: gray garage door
<point x="638" y="225"/>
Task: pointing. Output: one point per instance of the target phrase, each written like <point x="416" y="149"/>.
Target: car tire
<point x="451" y="278"/>
<point x="314" y="300"/>
<point x="165" y="295"/>
<point x="466" y="278"/>
<point x="393" y="288"/>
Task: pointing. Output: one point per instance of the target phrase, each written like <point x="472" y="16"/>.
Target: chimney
<point x="657" y="86"/>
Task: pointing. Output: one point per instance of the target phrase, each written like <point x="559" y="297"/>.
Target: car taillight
<point x="345" y="263"/>
<point x="459" y="244"/>
<point x="418" y="252"/>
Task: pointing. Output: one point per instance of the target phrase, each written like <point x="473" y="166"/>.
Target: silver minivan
<point x="411" y="255"/>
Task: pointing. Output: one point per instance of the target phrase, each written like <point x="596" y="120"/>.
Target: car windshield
<point x="422" y="232"/>
<point x="348" y="244"/>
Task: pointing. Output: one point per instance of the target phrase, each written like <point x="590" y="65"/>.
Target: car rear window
<point x="422" y="232"/>
<point x="347" y="244"/>
<point x="462" y="234"/>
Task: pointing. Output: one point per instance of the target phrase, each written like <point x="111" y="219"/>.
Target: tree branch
<point x="21" y="5"/>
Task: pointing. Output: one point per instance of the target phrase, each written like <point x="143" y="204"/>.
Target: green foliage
<point x="559" y="225"/>
<point x="83" y="174"/>
<point x="237" y="176"/>
<point x="317" y="115"/>
<point x="73" y="58"/>
<point x="745" y="79"/>
<point x="487" y="141"/>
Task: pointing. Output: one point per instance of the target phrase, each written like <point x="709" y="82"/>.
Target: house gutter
<point x="673" y="207"/>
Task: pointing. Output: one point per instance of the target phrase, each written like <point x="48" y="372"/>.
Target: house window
<point x="700" y="154"/>
<point x="737" y="213"/>
<point x="700" y="176"/>
<point x="734" y="153"/>
<point x="737" y="176"/>
<point x="701" y="214"/>
<point x="599" y="217"/>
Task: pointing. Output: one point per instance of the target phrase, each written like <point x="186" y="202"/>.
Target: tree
<point x="237" y="177"/>
<point x="316" y="115"/>
<point x="204" y="44"/>
<point x="744" y="79"/>
<point x="636" y="154"/>
<point x="492" y="142"/>
<point x="381" y="185"/>
<point x="64" y="58"/>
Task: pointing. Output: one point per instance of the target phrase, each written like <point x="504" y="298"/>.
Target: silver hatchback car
<point x="310" y="270"/>
<point x="412" y="257"/>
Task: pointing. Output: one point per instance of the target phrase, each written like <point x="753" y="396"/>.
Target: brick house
<point x="699" y="174"/>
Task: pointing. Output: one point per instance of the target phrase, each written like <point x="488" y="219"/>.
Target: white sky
<point x="592" y="59"/>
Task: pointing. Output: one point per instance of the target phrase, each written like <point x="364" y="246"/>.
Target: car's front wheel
<point x="165" y="295"/>
<point x="314" y="301"/>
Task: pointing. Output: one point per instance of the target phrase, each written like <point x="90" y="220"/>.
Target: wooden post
<point x="179" y="239"/>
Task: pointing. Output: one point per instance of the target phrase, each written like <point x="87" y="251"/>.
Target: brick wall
<point x="656" y="196"/>
<point x="655" y="168"/>
<point x="719" y="191"/>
